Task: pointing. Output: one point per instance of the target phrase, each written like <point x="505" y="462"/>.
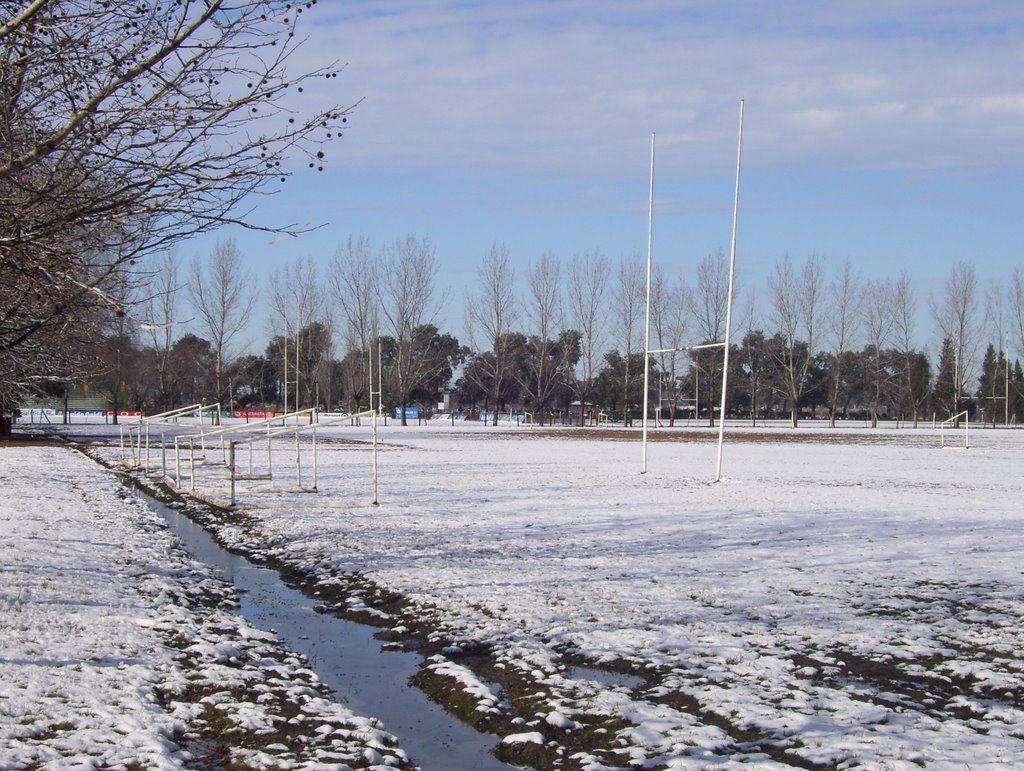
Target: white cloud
<point x="551" y="87"/>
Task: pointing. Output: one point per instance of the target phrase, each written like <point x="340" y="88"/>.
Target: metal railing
<point x="138" y="433"/>
<point x="250" y="434"/>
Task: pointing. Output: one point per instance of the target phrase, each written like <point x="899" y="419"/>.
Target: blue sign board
<point x="411" y="413"/>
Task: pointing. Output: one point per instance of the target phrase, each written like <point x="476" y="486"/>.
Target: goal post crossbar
<point x="686" y="348"/>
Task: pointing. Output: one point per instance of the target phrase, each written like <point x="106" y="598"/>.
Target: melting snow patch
<point x="486" y="697"/>
<point x="558" y="720"/>
<point x="529" y="737"/>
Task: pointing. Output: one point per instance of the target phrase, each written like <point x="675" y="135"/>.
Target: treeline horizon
<point x="564" y="343"/>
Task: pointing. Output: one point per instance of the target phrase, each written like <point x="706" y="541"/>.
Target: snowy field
<point x="852" y="599"/>
<point x="118" y="652"/>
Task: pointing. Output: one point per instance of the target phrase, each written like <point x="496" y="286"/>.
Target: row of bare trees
<point x="124" y="129"/>
<point x="572" y="333"/>
<point x="843" y="337"/>
<point x="558" y="340"/>
<point x="309" y="313"/>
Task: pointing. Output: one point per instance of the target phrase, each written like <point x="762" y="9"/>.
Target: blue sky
<point x="886" y="132"/>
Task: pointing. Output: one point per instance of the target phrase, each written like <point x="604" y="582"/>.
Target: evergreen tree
<point x="992" y="385"/>
<point x="915" y="382"/>
<point x="944" y="397"/>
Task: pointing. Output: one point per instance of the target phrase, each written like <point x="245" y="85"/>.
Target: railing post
<point x="270" y="459"/>
<point x="231" y="467"/>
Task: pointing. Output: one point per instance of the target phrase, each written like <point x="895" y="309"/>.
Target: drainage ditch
<point x="367" y="677"/>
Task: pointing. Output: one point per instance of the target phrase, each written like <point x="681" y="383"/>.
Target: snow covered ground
<point x="849" y="601"/>
<point x="118" y="652"/>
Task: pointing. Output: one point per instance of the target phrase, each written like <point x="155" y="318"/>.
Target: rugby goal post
<point x="728" y="308"/>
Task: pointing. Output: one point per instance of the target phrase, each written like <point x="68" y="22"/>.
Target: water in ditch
<point x="368" y="678"/>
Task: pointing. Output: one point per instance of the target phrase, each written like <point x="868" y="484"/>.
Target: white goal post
<point x="952" y="423"/>
<point x="728" y="309"/>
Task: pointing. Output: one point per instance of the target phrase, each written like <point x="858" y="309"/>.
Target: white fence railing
<point x="136" y="439"/>
<point x="190" y="454"/>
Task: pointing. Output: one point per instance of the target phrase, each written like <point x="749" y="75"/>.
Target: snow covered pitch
<point x="840" y="598"/>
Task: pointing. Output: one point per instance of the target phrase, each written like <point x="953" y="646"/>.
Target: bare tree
<point x="796" y="314"/>
<point x="913" y="386"/>
<point x="753" y="359"/>
<point x="996" y="312"/>
<point x="586" y="290"/>
<point x="223" y="294"/>
<point x="352" y="279"/>
<point x="297" y="298"/>
<point x="408" y="301"/>
<point x="161" y="317"/>
<point x="879" y="321"/>
<point x="711" y="296"/>
<point x="670" y="320"/>
<point x="544" y="309"/>
<point x="127" y="127"/>
<point x="997" y="323"/>
<point x="628" y="293"/>
<point x="118" y="345"/>
<point x="843" y="319"/>
<point x="490" y="313"/>
<point x="1015" y="294"/>
<point x="48" y="332"/>
<point x="956" y="315"/>
<point x="710" y="303"/>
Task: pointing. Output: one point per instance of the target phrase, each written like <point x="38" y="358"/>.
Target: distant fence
<point x="56" y="415"/>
